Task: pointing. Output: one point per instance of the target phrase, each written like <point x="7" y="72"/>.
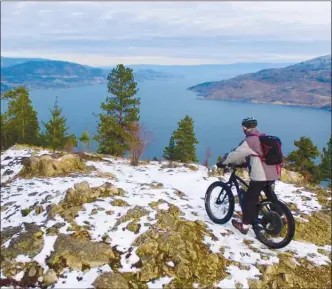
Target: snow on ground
<point x="136" y="182"/>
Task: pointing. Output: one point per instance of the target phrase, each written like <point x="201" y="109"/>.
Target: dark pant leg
<point x="269" y="192"/>
<point x="250" y="201"/>
<point x="271" y="195"/>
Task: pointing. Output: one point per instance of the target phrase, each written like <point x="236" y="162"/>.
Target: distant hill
<point x="50" y="74"/>
<point x="9" y="61"/>
<point x="304" y="84"/>
<point x="36" y="74"/>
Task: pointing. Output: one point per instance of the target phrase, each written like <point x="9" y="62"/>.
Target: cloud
<point x="160" y="31"/>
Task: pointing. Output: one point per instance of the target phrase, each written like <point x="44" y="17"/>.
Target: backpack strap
<point x="258" y="135"/>
<point x="278" y="167"/>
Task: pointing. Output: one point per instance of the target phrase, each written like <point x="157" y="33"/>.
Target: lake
<point x="164" y="102"/>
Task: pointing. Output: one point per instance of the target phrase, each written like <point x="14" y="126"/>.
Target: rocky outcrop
<point x="180" y="241"/>
<point x="111" y="280"/>
<point x="291" y="177"/>
<point x="50" y="277"/>
<point x="47" y="166"/>
<point x="132" y="214"/>
<point x="286" y="274"/>
<point x="79" y="195"/>
<point x="28" y="243"/>
<point x="78" y="254"/>
<point x="317" y="230"/>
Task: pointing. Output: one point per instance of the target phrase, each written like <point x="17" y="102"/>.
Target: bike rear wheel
<point x="272" y="224"/>
<point x="224" y="199"/>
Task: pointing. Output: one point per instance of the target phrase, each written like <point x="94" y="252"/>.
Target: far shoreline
<point x="280" y="103"/>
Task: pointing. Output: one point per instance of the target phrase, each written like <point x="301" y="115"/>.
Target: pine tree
<point x="71" y="143"/>
<point x="55" y="135"/>
<point x="20" y="122"/>
<point x="121" y="112"/>
<point x="325" y="170"/>
<point x="169" y="152"/>
<point x="4" y="132"/>
<point x="185" y="141"/>
<point x="302" y="159"/>
<point x="85" y="139"/>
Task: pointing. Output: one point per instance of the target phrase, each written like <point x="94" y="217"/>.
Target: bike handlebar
<point x="232" y="166"/>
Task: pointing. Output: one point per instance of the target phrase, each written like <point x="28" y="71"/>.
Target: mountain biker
<point x="262" y="176"/>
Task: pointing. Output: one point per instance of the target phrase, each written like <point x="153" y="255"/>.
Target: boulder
<point x="180" y="241"/>
<point x="76" y="253"/>
<point x="291" y="177"/>
<point x="47" y="166"/>
<point x="111" y="280"/>
<point x="135" y="213"/>
<point x="50" y="277"/>
<point x="28" y="243"/>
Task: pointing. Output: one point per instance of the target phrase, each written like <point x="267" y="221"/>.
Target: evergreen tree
<point x="169" y="152"/>
<point x="121" y="112"/>
<point x="85" y="139"/>
<point x="71" y="143"/>
<point x="302" y="159"/>
<point x="55" y="135"/>
<point x="19" y="123"/>
<point x="4" y="132"/>
<point x="326" y="163"/>
<point x="184" y="149"/>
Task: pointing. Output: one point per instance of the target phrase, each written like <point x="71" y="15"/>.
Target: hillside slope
<point x="109" y="225"/>
<point x="9" y="61"/>
<point x="61" y="74"/>
<point x="50" y="74"/>
<point x="305" y="84"/>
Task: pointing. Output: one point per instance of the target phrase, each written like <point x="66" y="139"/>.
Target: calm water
<point x="165" y="102"/>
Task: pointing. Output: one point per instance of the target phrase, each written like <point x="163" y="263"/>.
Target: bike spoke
<point x="219" y="205"/>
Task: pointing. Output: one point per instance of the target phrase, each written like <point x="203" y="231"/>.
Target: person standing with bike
<point x="264" y="157"/>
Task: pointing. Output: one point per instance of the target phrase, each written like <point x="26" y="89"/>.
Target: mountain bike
<point x="271" y="218"/>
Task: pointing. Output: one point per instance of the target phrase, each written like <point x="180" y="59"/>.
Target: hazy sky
<point x="107" y="33"/>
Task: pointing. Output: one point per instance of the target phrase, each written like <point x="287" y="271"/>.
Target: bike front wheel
<point x="274" y="225"/>
<point x="219" y="199"/>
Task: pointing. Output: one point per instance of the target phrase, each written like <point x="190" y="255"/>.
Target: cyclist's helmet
<point x="249" y="122"/>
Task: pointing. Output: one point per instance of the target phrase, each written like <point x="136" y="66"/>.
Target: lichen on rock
<point x="180" y="241"/>
<point x="77" y="254"/>
<point x="50" y="277"/>
<point x="28" y="243"/>
<point x="8" y="233"/>
<point x="286" y="274"/>
<point x="32" y="273"/>
<point x="111" y="280"/>
<point x="134" y="227"/>
<point x="132" y="214"/>
<point x="76" y="197"/>
<point x="119" y="203"/>
<point x="10" y="267"/>
<point x="316" y="231"/>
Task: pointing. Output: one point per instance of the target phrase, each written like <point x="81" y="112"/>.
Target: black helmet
<point x="249" y="122"/>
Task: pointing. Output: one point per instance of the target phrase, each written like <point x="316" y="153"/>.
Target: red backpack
<point x="271" y="148"/>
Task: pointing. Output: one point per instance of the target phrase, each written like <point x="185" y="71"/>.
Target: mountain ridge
<point x="307" y="83"/>
<point x="38" y="74"/>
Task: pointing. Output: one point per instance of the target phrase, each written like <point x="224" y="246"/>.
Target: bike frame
<point x="235" y="180"/>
